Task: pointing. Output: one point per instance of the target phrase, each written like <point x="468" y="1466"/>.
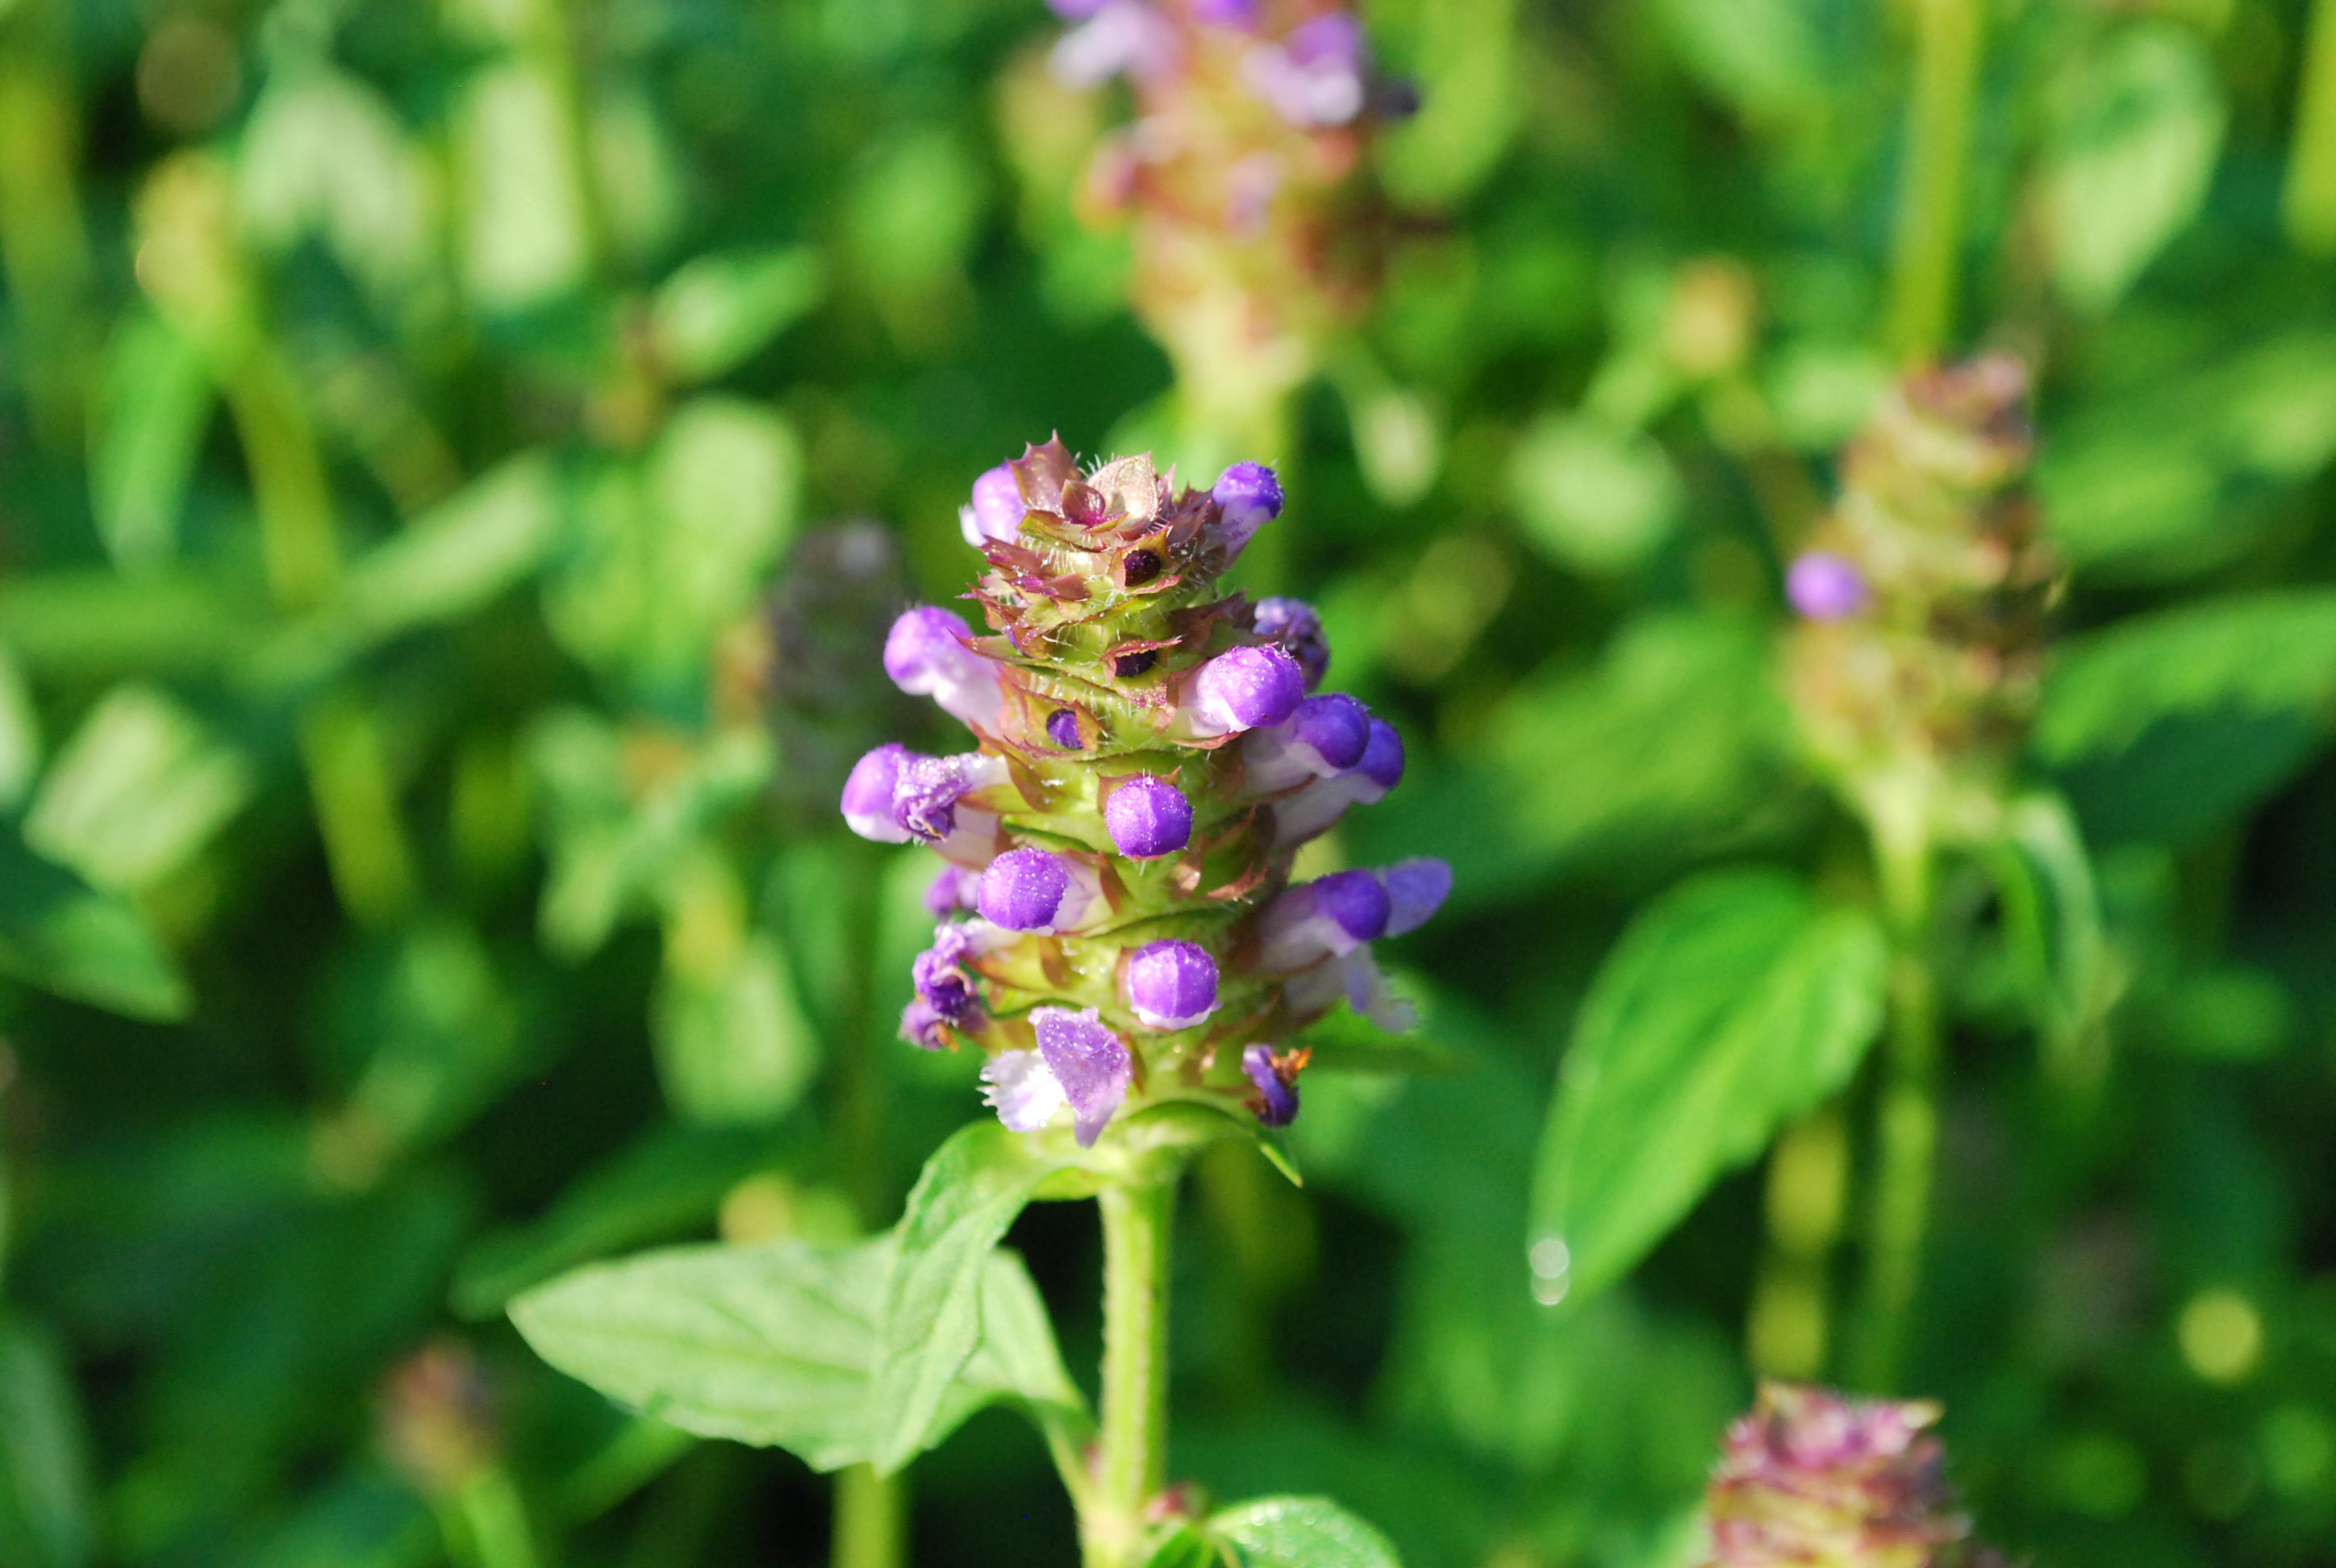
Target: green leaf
<point x="718" y="309"/>
<point x="733" y="1046"/>
<point x="776" y="1344"/>
<point x="2131" y="150"/>
<point x="2247" y="653"/>
<point x="154" y="400"/>
<point x="20" y="733"/>
<point x="460" y="555"/>
<point x="138" y="790"/>
<point x="45" y="1511"/>
<point x="100" y="622"/>
<point x="1733" y="1004"/>
<point x="60" y="934"/>
<point x="1594" y="496"/>
<point x="1300" y="1533"/>
<point x="970" y="1192"/>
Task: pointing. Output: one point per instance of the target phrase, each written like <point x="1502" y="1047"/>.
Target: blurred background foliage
<point x="456" y="464"/>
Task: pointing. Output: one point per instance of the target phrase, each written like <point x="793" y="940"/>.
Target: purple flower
<point x="1823" y="586"/>
<point x="1023" y="1092"/>
<point x="1032" y="890"/>
<point x="1318" y="76"/>
<point x="1327" y="917"/>
<point x="1236" y="14"/>
<point x="1063" y="728"/>
<point x="1091" y="1063"/>
<point x="945" y="990"/>
<point x="1276" y="1078"/>
<point x="1326" y="737"/>
<point x="1249" y="496"/>
<point x="1120" y="37"/>
<point x="925" y="795"/>
<point x="868" y="794"/>
<point x="953" y="893"/>
<point x="1415" y="888"/>
<point x="1171" y="984"/>
<point x="1293" y="624"/>
<point x="1241" y="689"/>
<point x="1318" y="807"/>
<point x="1148" y="817"/>
<point x="997" y="510"/>
<point x="1074" y="10"/>
<point x="929" y="653"/>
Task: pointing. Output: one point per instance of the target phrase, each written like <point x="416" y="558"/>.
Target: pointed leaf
<point x="1300" y="1533"/>
<point x="61" y="934"/>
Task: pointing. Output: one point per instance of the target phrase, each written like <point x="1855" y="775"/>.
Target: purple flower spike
<point x="1249" y="496"/>
<point x="929" y="653"/>
<point x="953" y="893"/>
<point x="1277" y="1102"/>
<point x="1293" y="624"/>
<point x="1823" y="586"/>
<point x="1118" y="37"/>
<point x="1328" y="917"/>
<point x="868" y="794"/>
<point x="997" y="510"/>
<point x="1415" y="888"/>
<point x="1241" y="689"/>
<point x="1063" y="728"/>
<point x="1090" y="1062"/>
<point x="1148" y="817"/>
<point x="1038" y="891"/>
<point x="1171" y="984"/>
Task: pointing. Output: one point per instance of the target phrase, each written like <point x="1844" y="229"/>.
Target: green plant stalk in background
<point x="1132" y="1455"/>
<point x="1927" y="248"/>
<point x="2310" y="196"/>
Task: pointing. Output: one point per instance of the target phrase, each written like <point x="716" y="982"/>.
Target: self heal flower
<point x="1148" y="817"/>
<point x="1032" y="890"/>
<point x="1275" y="1103"/>
<point x="927" y="789"/>
<point x="1319" y="76"/>
<point x="1326" y="737"/>
<point x="1121" y="37"/>
<point x="1823" y="586"/>
<point x="953" y="891"/>
<point x="1327" y="917"/>
<point x="1171" y="984"/>
<point x="1415" y="888"/>
<point x="995" y="512"/>
<point x="1022" y="1089"/>
<point x="1294" y="626"/>
<point x="1250" y="494"/>
<point x="1318" y="807"/>
<point x="1090" y="1062"/>
<point x="1811" y="1478"/>
<point x="929" y="653"/>
<point x="1241" y="689"/>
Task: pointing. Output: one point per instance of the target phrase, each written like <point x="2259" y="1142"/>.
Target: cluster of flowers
<point x="1923" y="593"/>
<point x="1252" y="234"/>
<point x="1117" y="921"/>
<point x="1815" y="1481"/>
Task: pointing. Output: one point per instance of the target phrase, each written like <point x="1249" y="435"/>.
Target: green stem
<point x="1929" y="241"/>
<point x="485" y="1523"/>
<point x="2311" y="194"/>
<point x="871" y="1519"/>
<point x="1130" y="1466"/>
<point x="1906" y="1118"/>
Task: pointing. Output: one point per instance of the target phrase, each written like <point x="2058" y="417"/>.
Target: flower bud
<point x="929" y="653"/>
<point x="1317" y="808"/>
<point x="1327" y="917"/>
<point x="1294" y="626"/>
<point x="868" y="794"/>
<point x="995" y="512"/>
<point x="1823" y="586"/>
<point x="1171" y="984"/>
<point x="1148" y="817"/>
<point x="1250" y="496"/>
<point x="1241" y="689"/>
<point x="1326" y="737"/>
<point x="1033" y="889"/>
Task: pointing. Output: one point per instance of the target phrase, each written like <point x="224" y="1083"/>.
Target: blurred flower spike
<point x="1118" y="923"/>
<point x="1242" y="178"/>
<point x="1812" y="1480"/>
<point x="1921" y="598"/>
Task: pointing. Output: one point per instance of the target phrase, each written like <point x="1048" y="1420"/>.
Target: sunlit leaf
<point x="155" y="400"/>
<point x="1300" y="1533"/>
<point x="1734" y="1003"/>
<point x="455" y="560"/>
<point x="46" y="1513"/>
<point x="138" y="790"/>
<point x="1596" y="497"/>
<point x="720" y="308"/>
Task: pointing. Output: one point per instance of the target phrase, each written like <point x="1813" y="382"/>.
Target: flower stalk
<point x="1131" y="1452"/>
<point x="1927" y="251"/>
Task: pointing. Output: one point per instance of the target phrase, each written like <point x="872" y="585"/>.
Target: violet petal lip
<point x="1148" y="817"/>
<point x="1281" y="1098"/>
<point x="867" y="802"/>
<point x="1417" y="888"/>
<point x="1091" y="1063"/>
<point x="929" y="653"/>
<point x="1294" y="625"/>
<point x="997" y="510"/>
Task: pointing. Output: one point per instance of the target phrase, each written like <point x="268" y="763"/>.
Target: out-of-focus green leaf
<point x="1298" y="1533"/>
<point x="137" y="791"/>
<point x="659" y="1189"/>
<point x="458" y="556"/>
<point x="733" y="1045"/>
<point x="2262" y="653"/>
<point x="101" y="623"/>
<point x="635" y="172"/>
<point x="775" y="1344"/>
<point x="45" y="1513"/>
<point x="60" y="934"/>
<point x="1768" y="57"/>
<point x="913" y="214"/>
<point x="1466" y="58"/>
<point x="366" y="1519"/>
<point x="1734" y="1003"/>
<point x="720" y="307"/>
<point x="20" y="733"/>
<point x="155" y="399"/>
<point x="2132" y="148"/>
<point x="969" y="1193"/>
<point x="1593" y="496"/>
<point x="324" y="153"/>
<point x="2233" y="1013"/>
<point x="445" y="1037"/>
<point x="520" y="206"/>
